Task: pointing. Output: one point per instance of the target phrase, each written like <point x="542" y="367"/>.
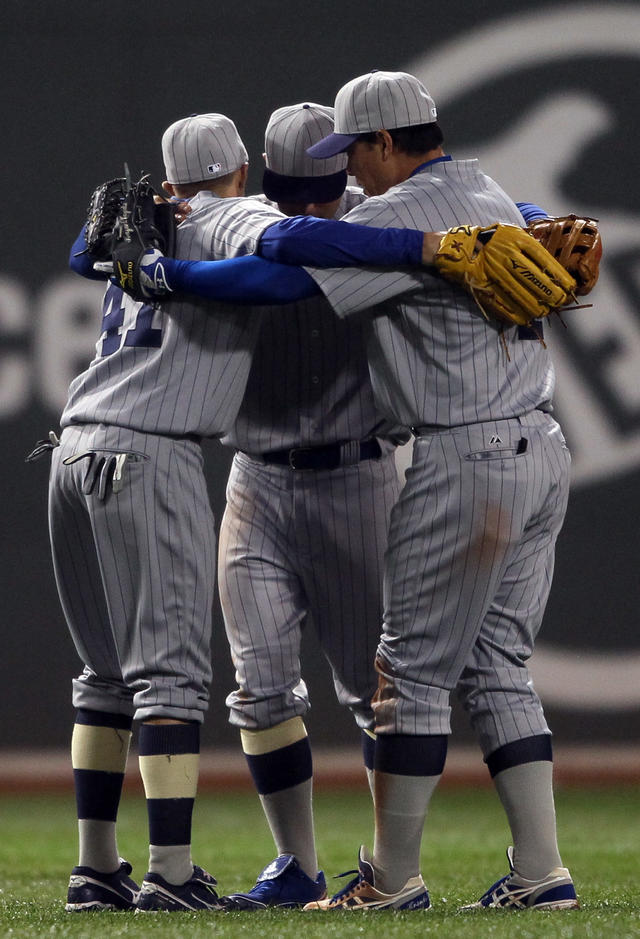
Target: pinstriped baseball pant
<point x="296" y="545"/>
<point x="135" y="573"/>
<point x="468" y="574"/>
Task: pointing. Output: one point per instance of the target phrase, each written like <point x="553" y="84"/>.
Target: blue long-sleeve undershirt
<point x="319" y="242"/>
<point x="79" y="260"/>
<point x="530" y="211"/>
<point x="249" y="280"/>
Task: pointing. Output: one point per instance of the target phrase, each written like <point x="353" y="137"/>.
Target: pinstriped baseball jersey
<point x="309" y="381"/>
<point x="352" y="197"/>
<point x="299" y="545"/>
<point x="308" y="384"/>
<point x="239" y="224"/>
<point x="176" y="368"/>
<point x="434" y="359"/>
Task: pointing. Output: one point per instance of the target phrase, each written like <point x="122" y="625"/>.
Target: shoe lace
<point x="500" y="888"/>
<point x="349" y="889"/>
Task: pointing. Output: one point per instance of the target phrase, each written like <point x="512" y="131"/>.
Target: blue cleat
<point x="282" y="884"/>
<point x="553" y="892"/>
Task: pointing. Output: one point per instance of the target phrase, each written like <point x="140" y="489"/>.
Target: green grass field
<point x="463" y="853"/>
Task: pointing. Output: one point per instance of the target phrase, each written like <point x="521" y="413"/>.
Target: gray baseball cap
<point x="202" y="147"/>
<point x="372" y="102"/>
<point x="291" y="131"/>
<point x="291" y="175"/>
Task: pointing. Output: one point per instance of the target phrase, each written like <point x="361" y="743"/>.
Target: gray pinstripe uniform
<point x="294" y="543"/>
<point x="471" y="541"/>
<point x="135" y="564"/>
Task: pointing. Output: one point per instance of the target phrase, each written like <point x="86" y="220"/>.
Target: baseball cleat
<point x="362" y="894"/>
<point x="197" y="893"/>
<point x="553" y="892"/>
<point x="282" y="884"/>
<point x="92" y="890"/>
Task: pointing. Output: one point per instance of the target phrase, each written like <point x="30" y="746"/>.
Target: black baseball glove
<point x="143" y="222"/>
<point x="102" y="212"/>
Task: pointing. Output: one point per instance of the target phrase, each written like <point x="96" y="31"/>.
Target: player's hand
<point x="430" y="244"/>
<point x="182" y="207"/>
<point x="104" y="267"/>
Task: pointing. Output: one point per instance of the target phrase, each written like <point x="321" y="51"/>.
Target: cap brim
<point x="331" y="146"/>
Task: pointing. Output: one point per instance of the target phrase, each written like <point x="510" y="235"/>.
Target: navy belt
<point x="329" y="457"/>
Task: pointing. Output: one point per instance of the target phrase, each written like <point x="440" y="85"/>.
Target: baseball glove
<point x="576" y="243"/>
<point x="102" y="212"/>
<point x="511" y="276"/>
<point x="142" y="223"/>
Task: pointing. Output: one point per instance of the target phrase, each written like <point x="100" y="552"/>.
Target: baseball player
<point x="133" y="543"/>
<point x="472" y="537"/>
<point x="304" y="530"/>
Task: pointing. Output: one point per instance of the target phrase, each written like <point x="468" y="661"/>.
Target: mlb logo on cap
<point x="200" y="146"/>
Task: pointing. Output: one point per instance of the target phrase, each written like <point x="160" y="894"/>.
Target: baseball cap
<point x="202" y="147"/>
<point x="372" y="102"/>
<point x="291" y="175"/>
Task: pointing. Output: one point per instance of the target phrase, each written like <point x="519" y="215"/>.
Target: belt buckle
<point x="293" y="456"/>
